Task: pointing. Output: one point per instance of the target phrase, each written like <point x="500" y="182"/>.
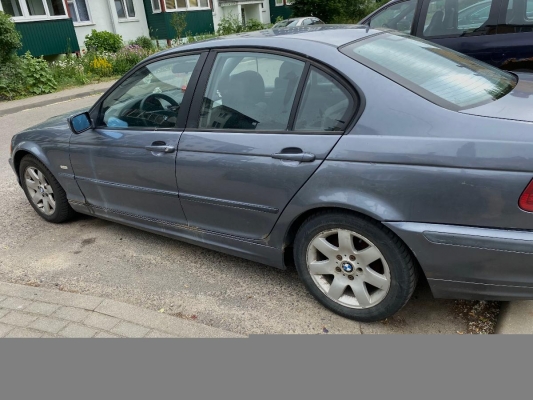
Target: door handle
<point x="301" y="157"/>
<point x="161" y="148"/>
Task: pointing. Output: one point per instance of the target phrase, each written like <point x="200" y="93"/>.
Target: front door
<point x="126" y="166"/>
<point x="250" y="149"/>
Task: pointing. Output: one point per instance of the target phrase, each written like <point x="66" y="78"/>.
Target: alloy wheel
<point x="40" y="190"/>
<point x="348" y="268"/>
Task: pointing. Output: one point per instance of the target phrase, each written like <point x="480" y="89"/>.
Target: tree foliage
<point x="336" y="11"/>
<point x="327" y="11"/>
<point x="9" y="38"/>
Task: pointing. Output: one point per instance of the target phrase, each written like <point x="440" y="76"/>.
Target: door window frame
<point x="98" y="116"/>
<point x="356" y="98"/>
<point x="490" y="25"/>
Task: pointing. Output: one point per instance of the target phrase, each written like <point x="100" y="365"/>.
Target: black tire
<point x="63" y="212"/>
<point x="401" y="264"/>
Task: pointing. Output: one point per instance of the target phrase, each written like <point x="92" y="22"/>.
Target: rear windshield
<point x="440" y="75"/>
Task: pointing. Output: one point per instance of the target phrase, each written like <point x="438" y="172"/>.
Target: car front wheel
<point x="43" y="191"/>
<point x="354" y="266"/>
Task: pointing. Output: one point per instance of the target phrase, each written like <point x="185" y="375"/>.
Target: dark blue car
<point x="498" y="32"/>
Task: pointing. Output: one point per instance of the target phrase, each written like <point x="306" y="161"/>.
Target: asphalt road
<point x="101" y="258"/>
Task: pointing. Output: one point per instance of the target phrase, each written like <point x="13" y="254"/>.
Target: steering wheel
<point x="154" y="96"/>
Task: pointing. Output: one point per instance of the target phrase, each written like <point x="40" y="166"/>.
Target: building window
<point x="173" y="5"/>
<point x="125" y="9"/>
<point x="34" y="9"/>
<point x="156" y="6"/>
<point x="79" y="12"/>
<point x="280" y="3"/>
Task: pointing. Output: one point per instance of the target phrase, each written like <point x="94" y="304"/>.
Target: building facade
<point x="50" y="27"/>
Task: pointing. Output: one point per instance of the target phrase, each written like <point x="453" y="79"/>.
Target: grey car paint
<point x="446" y="182"/>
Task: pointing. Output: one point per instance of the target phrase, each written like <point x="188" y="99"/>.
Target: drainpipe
<point x="111" y="16"/>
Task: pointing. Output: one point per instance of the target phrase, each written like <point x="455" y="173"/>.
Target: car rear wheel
<point x="43" y="191"/>
<point x="354" y="266"/>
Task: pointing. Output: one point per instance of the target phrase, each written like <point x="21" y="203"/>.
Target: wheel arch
<point x="20" y="152"/>
<point x="290" y="235"/>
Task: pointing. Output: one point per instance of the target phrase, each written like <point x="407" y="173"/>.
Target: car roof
<point x="332" y="35"/>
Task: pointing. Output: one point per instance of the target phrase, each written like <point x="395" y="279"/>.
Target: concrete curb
<point x="516" y="318"/>
<point x="125" y="316"/>
<point x="12" y="107"/>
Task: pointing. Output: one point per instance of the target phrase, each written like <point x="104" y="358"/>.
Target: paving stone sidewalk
<point x="30" y="312"/>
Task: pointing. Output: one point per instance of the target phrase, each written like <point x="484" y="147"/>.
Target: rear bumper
<point x="472" y="263"/>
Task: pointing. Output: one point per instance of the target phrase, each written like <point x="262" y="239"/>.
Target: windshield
<point x="440" y="75"/>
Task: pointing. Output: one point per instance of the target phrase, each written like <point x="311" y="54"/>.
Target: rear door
<point x="466" y="26"/>
<point x="263" y="124"/>
<point x="514" y="41"/>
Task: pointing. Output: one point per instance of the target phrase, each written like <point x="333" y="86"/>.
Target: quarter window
<point x="398" y="16"/>
<point x="250" y="91"/>
<point x="325" y="105"/>
<point x="151" y="97"/>
<point x="456" y="17"/>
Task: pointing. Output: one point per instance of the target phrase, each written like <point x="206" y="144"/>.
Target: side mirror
<point x="80" y="123"/>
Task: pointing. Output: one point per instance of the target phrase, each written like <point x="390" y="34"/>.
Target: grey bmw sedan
<point x="366" y="158"/>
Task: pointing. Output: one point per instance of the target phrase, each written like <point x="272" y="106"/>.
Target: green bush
<point x="9" y="38"/>
<point x="232" y="24"/>
<point x="38" y="77"/>
<point x="69" y="72"/>
<point x="127" y="58"/>
<point x="199" y="38"/>
<point x="144" y="42"/>
<point x="11" y="79"/>
<point x="103" y="42"/>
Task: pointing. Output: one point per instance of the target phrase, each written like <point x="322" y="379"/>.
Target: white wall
<point x="104" y="18"/>
<point x="252" y="11"/>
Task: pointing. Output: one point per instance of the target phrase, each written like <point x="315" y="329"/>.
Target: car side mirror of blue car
<point x="80" y="123"/>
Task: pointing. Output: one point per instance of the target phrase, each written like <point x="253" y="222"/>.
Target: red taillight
<point x="526" y="200"/>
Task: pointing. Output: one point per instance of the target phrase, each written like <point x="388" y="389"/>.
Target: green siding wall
<point x="282" y="11"/>
<point x="160" y="26"/>
<point x="198" y="22"/>
<point x="45" y="38"/>
<point x="157" y="24"/>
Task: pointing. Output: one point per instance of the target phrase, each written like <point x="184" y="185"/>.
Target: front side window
<point x="250" y="91"/>
<point x="398" y="17"/>
<point x="34" y="9"/>
<point x="442" y="76"/>
<point x="325" y="105"/>
<point x="79" y="11"/>
<point x="151" y="97"/>
<point x="455" y="17"/>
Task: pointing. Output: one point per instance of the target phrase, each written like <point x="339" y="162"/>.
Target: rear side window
<point x="456" y="17"/>
<point x="325" y="105"/>
<point x="442" y="76"/>
<point x="519" y="12"/>
<point x="398" y="17"/>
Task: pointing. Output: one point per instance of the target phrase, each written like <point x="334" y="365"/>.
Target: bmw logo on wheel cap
<point x="347" y="267"/>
